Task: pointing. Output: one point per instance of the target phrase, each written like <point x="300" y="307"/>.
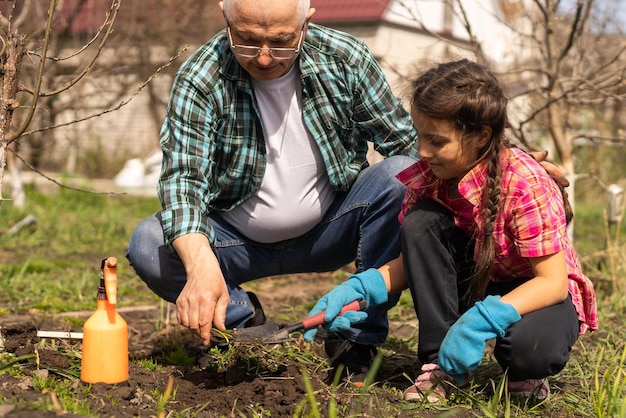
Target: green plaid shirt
<point x="212" y="139"/>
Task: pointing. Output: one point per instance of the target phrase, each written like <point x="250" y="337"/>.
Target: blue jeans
<point x="361" y="226"/>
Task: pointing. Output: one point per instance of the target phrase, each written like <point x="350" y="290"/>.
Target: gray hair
<point x="262" y="6"/>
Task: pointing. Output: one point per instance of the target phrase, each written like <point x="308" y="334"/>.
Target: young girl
<point x="485" y="251"/>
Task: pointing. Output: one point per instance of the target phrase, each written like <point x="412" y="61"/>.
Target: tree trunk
<point x="18" y="195"/>
<point x="12" y="59"/>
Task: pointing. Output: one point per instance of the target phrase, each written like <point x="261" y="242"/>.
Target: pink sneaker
<point x="432" y="384"/>
<point x="530" y="388"/>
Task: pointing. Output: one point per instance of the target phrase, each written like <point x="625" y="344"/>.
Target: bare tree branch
<point x="65" y="186"/>
<point x="119" y="105"/>
<point x="33" y="105"/>
<point x="109" y="20"/>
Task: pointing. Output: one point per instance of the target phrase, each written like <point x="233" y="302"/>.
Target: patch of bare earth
<point x="197" y="389"/>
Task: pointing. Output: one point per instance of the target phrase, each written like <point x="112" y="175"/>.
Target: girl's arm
<point x="371" y="285"/>
<point x="548" y="287"/>
<point x="393" y="273"/>
<point x="463" y="346"/>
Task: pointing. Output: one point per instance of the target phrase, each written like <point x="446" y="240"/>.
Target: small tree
<point x="53" y="79"/>
<point x="14" y="42"/>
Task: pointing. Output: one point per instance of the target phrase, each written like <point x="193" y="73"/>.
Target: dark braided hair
<point x="470" y="97"/>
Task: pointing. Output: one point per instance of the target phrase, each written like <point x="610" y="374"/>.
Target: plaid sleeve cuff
<point x="183" y="221"/>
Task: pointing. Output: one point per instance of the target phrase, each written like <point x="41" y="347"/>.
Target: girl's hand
<point x="464" y="345"/>
<point x="368" y="285"/>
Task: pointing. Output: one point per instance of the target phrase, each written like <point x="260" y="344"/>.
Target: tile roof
<point x="82" y="16"/>
<point x="347" y="10"/>
<point x="88" y="15"/>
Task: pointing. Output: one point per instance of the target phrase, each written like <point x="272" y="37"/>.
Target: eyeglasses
<point x="250" y="51"/>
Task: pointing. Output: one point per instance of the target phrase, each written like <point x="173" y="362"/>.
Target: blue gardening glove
<point x="368" y="285"/>
<point x="464" y="345"/>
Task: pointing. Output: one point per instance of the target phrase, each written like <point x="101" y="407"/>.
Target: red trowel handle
<point x="318" y="319"/>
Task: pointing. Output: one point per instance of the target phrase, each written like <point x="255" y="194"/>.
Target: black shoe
<point x="258" y="317"/>
<point x="355" y="359"/>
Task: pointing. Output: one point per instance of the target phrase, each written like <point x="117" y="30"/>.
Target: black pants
<point x="438" y="263"/>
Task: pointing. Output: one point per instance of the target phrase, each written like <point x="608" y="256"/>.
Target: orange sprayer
<point x="105" y="334"/>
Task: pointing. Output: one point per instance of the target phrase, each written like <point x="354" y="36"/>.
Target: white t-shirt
<point x="295" y="192"/>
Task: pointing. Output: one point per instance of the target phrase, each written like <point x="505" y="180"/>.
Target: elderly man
<point x="265" y="171"/>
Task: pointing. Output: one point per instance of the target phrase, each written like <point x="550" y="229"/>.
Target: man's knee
<point x="145" y="240"/>
<point x="388" y="168"/>
<point x="395" y="164"/>
<point x="145" y="247"/>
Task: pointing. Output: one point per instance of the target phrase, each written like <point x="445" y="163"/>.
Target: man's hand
<point x="204" y="299"/>
<point x="551" y="169"/>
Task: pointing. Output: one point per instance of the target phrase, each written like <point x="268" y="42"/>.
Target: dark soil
<point x="252" y="380"/>
<point x="198" y="387"/>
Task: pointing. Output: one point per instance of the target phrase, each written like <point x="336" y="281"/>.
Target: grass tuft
<point x="53" y="267"/>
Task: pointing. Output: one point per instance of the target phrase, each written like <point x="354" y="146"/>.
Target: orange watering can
<point x="105" y="334"/>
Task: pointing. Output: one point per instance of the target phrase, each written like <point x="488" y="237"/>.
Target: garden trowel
<point x="271" y="333"/>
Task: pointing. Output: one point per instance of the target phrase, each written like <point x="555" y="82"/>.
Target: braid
<point x="489" y="212"/>
<point x="470" y="97"/>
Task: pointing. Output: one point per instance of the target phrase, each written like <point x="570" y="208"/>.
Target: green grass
<point x="53" y="267"/>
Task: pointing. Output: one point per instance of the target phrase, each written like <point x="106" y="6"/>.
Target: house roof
<point x="82" y="16"/>
<point x="87" y="15"/>
<point x="348" y="10"/>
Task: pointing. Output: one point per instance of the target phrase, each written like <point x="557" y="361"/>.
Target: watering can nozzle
<point x="109" y="272"/>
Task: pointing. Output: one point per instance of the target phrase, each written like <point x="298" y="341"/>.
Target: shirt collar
<point x="471" y="184"/>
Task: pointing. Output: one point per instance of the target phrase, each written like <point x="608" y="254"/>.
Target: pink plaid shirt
<point x="530" y="223"/>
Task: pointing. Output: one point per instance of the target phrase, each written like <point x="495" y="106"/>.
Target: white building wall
<point x="485" y="17"/>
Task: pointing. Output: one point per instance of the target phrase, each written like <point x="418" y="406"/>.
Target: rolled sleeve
<point x="186" y="167"/>
<point x="183" y="221"/>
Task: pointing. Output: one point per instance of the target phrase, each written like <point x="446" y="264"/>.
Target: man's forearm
<point x="194" y="249"/>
